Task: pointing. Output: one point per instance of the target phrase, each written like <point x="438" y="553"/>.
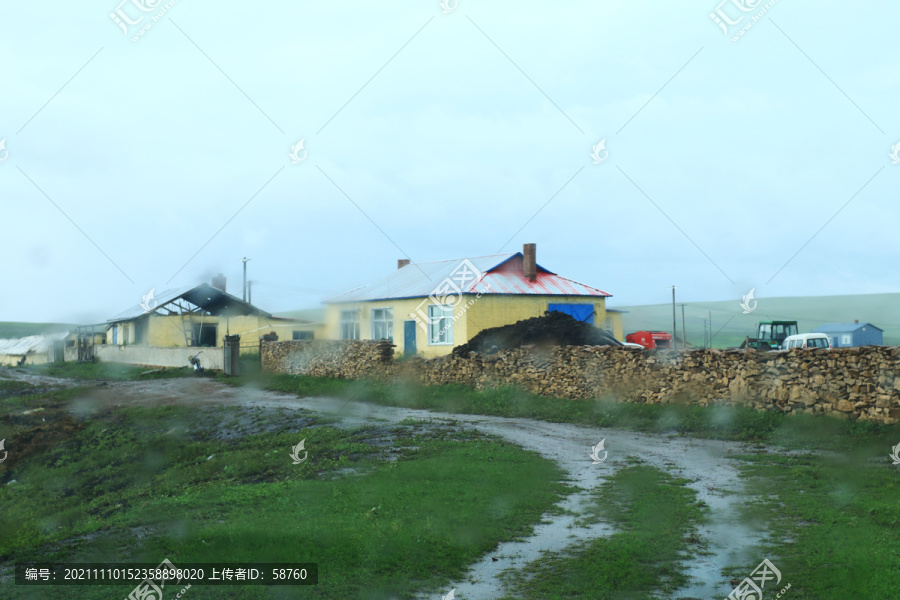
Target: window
<point x="846" y="340"/>
<point x="302" y="335"/>
<point x="440" y="324"/>
<point x="349" y="324"/>
<point x="205" y="335"/>
<point x="383" y="324"/>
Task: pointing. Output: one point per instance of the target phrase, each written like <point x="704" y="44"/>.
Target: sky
<point x="434" y="131"/>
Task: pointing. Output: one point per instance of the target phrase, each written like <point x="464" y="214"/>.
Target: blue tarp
<point x="580" y="312"/>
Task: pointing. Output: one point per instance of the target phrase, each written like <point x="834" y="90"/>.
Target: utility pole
<point x="683" y="330"/>
<point x="250" y="292"/>
<point x="244" y="291"/>
<point x="674" y="328"/>
<point x="710" y="329"/>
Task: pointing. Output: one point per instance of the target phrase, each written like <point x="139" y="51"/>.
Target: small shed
<point x="845" y="335"/>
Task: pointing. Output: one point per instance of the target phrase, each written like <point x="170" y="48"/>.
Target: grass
<point x="383" y="511"/>
<point x="738" y="424"/>
<point x="15" y="329"/>
<point x="387" y="511"/>
<point x="827" y="514"/>
<point x="833" y="522"/>
<point x="653" y="516"/>
<point x="105" y="371"/>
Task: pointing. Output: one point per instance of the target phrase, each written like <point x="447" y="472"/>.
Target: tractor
<point x="770" y="335"/>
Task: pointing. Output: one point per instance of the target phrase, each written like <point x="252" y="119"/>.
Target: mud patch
<point x="35" y="434"/>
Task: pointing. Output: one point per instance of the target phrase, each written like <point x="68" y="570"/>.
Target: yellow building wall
<point x="403" y="311"/>
<point x="168" y="331"/>
<point x="471" y="316"/>
<point x="615" y="319"/>
<point x="497" y="310"/>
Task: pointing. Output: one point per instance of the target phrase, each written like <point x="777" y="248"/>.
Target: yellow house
<point x="199" y="316"/>
<point x="428" y="308"/>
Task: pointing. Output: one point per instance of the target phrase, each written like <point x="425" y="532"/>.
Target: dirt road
<point x="713" y="474"/>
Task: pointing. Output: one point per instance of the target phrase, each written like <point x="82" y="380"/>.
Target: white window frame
<point x="383" y="325"/>
<point x="846" y="339"/>
<point x="350" y="324"/>
<point x="440" y="325"/>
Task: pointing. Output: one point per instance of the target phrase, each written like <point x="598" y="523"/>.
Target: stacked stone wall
<point x="855" y="383"/>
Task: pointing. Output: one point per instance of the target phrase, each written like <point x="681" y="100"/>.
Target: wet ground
<point x="707" y="464"/>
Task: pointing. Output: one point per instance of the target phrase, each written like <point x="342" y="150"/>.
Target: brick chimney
<point x="218" y="282"/>
<point x="529" y="264"/>
<point x="856" y="321"/>
<point x="402" y="262"/>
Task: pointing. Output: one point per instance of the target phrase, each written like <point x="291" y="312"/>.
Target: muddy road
<point x="708" y="464"/>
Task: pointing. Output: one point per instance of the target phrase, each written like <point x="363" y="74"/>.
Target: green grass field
<point x="389" y="510"/>
<point x="654" y="517"/>
<point x="13" y="329"/>
<point x="731" y="326"/>
<point x="829" y="507"/>
<point x="383" y="510"/>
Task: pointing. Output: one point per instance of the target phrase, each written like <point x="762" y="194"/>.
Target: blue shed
<point x="852" y="334"/>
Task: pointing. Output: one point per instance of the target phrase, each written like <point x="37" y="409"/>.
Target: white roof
<point x="33" y="343"/>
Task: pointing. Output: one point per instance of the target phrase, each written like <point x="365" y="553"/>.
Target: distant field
<point x="12" y="329"/>
<point x="730" y="326"/>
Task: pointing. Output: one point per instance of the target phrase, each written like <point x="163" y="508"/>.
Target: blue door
<point x="580" y="312"/>
<point x="409" y="338"/>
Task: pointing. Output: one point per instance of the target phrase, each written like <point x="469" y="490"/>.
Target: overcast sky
<point x="759" y="163"/>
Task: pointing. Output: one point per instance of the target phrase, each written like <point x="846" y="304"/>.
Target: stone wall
<point x="861" y="383"/>
<point x="345" y="359"/>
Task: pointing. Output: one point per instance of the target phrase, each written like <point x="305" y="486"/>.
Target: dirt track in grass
<point x="706" y="463"/>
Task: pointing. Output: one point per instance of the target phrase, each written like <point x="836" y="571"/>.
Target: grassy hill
<point x="13" y="329"/>
<point x="730" y="326"/>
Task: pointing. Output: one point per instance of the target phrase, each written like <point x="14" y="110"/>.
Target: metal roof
<point x="32" y="343"/>
<point x="495" y="274"/>
<point x="207" y="297"/>
<point x="843" y="327"/>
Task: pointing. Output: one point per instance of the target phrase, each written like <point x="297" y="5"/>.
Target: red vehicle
<point x="651" y="339"/>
